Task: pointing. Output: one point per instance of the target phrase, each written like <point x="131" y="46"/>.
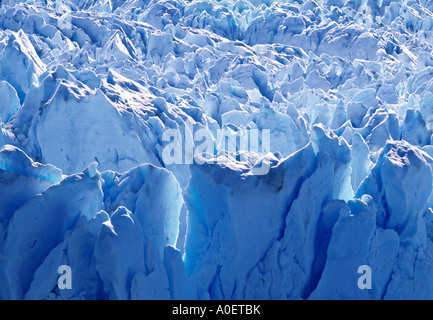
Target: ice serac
<point x="79" y="141"/>
<point x="82" y="221"/>
<point x="227" y="234"/>
<point x="77" y="252"/>
<point x="181" y="286"/>
<point x="52" y="214"/>
<point x="10" y="102"/>
<point x="293" y="137"/>
<point x="386" y="229"/>
<point x="368" y="246"/>
<point x="125" y="259"/>
<point x="130" y="248"/>
<point x="233" y="244"/>
<point x="155" y="198"/>
<point x="400" y="183"/>
<point x="20" y="64"/>
<point x="16" y="170"/>
<point x="296" y="258"/>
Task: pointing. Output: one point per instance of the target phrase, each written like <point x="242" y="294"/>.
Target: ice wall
<point x="216" y="149"/>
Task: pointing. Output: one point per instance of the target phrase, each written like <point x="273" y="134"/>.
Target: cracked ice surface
<point x="341" y="93"/>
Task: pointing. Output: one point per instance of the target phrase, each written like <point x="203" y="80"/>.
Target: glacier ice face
<point x="10" y="101"/>
<point x="390" y="232"/>
<point x="299" y="149"/>
<point x="27" y="66"/>
<point x="91" y="230"/>
<point x="57" y="209"/>
<point x="17" y="169"/>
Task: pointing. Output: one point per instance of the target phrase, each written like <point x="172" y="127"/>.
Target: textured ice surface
<point x="315" y="121"/>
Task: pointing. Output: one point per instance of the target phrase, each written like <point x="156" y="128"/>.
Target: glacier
<point x="216" y="150"/>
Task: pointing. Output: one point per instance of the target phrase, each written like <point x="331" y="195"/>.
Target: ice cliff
<point x="216" y="149"/>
